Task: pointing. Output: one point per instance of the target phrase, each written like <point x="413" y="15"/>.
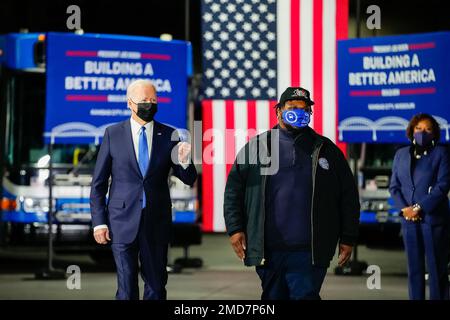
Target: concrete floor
<point x="222" y="277"/>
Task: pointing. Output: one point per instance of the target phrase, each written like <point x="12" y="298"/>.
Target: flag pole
<point x="354" y="266"/>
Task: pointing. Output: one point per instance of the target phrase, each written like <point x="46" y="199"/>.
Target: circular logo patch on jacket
<point x="323" y="163"/>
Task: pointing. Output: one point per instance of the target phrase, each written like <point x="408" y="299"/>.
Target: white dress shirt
<point x="135" y="132"/>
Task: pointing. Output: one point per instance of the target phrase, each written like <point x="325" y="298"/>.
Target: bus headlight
<point x="36" y="205"/>
<point x="375" y="205"/>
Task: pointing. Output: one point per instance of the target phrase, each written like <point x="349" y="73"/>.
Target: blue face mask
<point x="423" y="138"/>
<point x="298" y="118"/>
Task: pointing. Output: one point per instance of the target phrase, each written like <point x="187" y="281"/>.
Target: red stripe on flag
<point x="207" y="172"/>
<point x="295" y="43"/>
<point x="272" y="114"/>
<point x="251" y="119"/>
<point x="341" y="19"/>
<point x="318" y="64"/>
<point x="341" y="33"/>
<point x="79" y="53"/>
<point x="229" y="135"/>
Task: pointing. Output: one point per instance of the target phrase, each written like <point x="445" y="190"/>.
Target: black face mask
<point x="146" y="110"/>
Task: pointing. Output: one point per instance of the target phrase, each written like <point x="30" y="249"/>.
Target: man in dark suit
<point x="137" y="155"/>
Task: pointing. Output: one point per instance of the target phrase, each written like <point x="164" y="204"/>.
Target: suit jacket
<point x="122" y="212"/>
<point x="430" y="188"/>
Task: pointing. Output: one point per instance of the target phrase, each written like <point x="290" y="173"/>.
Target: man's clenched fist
<point x="102" y="235"/>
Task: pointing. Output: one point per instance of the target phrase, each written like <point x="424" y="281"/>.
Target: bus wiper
<point x="88" y="156"/>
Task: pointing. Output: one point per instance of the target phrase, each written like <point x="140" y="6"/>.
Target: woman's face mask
<point x="298" y="118"/>
<point x="423" y="138"/>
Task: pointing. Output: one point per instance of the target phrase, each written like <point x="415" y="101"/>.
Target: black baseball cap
<point x="295" y="93"/>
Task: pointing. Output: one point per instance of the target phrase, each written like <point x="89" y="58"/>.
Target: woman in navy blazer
<point x="419" y="186"/>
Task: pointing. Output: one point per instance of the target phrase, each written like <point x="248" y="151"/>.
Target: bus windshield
<point x="25" y="114"/>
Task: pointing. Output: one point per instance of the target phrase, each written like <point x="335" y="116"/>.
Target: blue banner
<point x="87" y="78"/>
<point x="384" y="81"/>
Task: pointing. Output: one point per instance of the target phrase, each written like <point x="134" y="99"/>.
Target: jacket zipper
<point x="264" y="217"/>
<point x="293" y="155"/>
<point x="264" y="178"/>
<point x="264" y="220"/>
<point x="314" y="169"/>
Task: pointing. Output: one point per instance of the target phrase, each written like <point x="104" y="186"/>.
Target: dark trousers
<point x="153" y="263"/>
<point x="290" y="276"/>
<point x="431" y="243"/>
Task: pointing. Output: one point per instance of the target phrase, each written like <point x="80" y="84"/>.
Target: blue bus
<point x="24" y="158"/>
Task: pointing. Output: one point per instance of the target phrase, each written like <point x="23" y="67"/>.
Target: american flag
<point x="252" y="51"/>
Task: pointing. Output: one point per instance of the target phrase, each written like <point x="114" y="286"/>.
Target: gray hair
<point x="138" y="83"/>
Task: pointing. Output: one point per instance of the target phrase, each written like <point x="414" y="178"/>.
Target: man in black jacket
<point x="290" y="198"/>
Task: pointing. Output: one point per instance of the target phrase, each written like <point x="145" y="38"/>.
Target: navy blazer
<point x="430" y="190"/>
<point x="117" y="159"/>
